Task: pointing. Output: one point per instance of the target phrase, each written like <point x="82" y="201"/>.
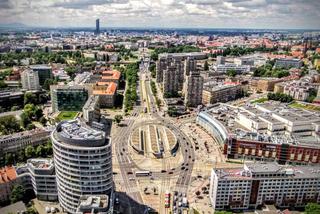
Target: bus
<point x="142" y="173"/>
<point x="167" y="199"/>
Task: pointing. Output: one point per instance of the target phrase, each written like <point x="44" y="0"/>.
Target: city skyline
<point x="251" y="14"/>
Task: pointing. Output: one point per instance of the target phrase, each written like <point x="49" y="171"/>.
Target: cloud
<point x="5" y="4"/>
<point x="84" y="4"/>
<point x="164" y="13"/>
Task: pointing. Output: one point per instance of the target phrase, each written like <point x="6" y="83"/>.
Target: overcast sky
<point x="295" y="14"/>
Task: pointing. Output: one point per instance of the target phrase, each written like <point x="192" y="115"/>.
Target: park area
<point x="310" y="107"/>
<point x="66" y="115"/>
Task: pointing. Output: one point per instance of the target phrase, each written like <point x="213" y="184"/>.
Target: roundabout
<point x="154" y="141"/>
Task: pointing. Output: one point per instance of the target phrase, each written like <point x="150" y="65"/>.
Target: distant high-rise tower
<point x="97" y="26"/>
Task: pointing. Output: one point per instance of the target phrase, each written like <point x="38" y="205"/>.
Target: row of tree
<point x="42" y="57"/>
<point x="131" y="76"/>
<point x="284" y="98"/>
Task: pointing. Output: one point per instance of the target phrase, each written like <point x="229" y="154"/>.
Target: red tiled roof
<point x="7" y="174"/>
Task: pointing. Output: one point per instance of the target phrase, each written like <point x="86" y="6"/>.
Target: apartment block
<point x="193" y="89"/>
<point x="91" y="110"/>
<point x="213" y="93"/>
<point x="288" y="63"/>
<point x="43" y="179"/>
<point x="255" y="184"/>
<point x="20" y="140"/>
<point x="30" y="80"/>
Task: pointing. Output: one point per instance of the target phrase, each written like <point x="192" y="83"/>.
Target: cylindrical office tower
<point x="82" y="158"/>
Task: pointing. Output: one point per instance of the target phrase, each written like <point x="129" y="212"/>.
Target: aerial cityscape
<point x="159" y="106"/>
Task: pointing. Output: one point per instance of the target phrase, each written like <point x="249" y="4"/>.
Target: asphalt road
<point x="126" y="164"/>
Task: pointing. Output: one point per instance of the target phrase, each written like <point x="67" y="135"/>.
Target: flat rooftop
<point x="76" y="130"/>
<point x="93" y="203"/>
<point x="226" y="115"/>
<point x="91" y="102"/>
<point x="41" y="163"/>
<point x="269" y="170"/>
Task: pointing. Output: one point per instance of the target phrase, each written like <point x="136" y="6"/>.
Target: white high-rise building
<point x="83" y="163"/>
<point x="30" y="80"/>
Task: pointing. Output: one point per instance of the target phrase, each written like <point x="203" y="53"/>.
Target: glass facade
<point x="69" y="99"/>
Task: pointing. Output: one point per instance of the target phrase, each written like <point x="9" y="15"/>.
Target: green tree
<point x="9" y="125"/>
<point x="17" y="193"/>
<point x="206" y="66"/>
<point x="118" y="118"/>
<point x="29" y="152"/>
<point x="222" y="212"/>
<point x="25" y="120"/>
<point x="30" y="98"/>
<point x="31" y="210"/>
<point x="152" y="69"/>
<point x="231" y="73"/>
<point x="41" y="151"/>
<point x="29" y="110"/>
<point x="48" y="147"/>
<point x="38" y="113"/>
<point x="14" y="108"/>
<point x="21" y="156"/>
<point x="30" y="126"/>
<point x="3" y="84"/>
<point x="43" y="120"/>
<point x="9" y="158"/>
<point x="312" y="208"/>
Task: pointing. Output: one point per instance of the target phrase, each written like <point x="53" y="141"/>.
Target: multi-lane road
<point x="127" y="165"/>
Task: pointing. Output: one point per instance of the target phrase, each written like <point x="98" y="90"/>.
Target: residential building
<point x="264" y="84"/>
<point x="173" y="78"/>
<point x="68" y="98"/>
<point x="244" y="61"/>
<point x="15" y="97"/>
<point x="107" y="92"/>
<point x="193" y="89"/>
<point x="44" y="72"/>
<point x="317" y="99"/>
<point x="256" y="184"/>
<point x="221" y="60"/>
<point x="189" y="65"/>
<point x="110" y="76"/>
<point x="240" y="69"/>
<point x="166" y="60"/>
<point x="288" y="63"/>
<point x="43" y="178"/>
<point x="8" y="177"/>
<point x="213" y="93"/>
<point x="37" y="175"/>
<point x="30" y="80"/>
<point x="20" y="140"/>
<point x="91" y="110"/>
<point x="91" y="174"/>
<point x="299" y="90"/>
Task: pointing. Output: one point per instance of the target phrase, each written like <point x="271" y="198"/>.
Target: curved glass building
<point x="83" y="163"/>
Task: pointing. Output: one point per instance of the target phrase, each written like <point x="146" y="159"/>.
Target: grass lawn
<point x="66" y="115"/>
<point x="305" y="106"/>
<point x="260" y="100"/>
